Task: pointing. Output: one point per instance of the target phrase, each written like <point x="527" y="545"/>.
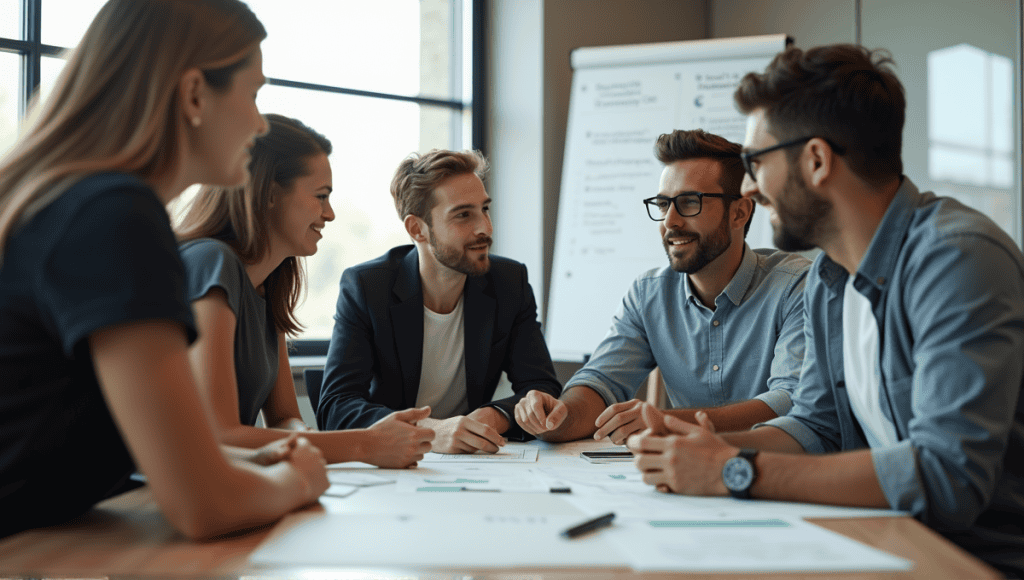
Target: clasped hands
<point x="477" y="431"/>
<point x="407" y="435"/>
<point x="672" y="455"/>
<point x="539" y="413"/>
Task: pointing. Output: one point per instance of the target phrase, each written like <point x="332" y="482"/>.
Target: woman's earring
<point x="196" y="121"/>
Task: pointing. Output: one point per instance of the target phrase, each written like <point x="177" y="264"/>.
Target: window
<point x="970" y="129"/>
<point x="380" y="79"/>
<point x="970" y="114"/>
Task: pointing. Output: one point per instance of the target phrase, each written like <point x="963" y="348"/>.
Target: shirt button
<point x="714" y="323"/>
<point x="881" y="280"/>
<point x="715" y="367"/>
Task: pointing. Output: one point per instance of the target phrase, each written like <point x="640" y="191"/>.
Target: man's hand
<point x="491" y="416"/>
<point x="463" y="434"/>
<point x="688" y="460"/>
<point x="620" y="420"/>
<point x="538" y="413"/>
<point x="398" y="441"/>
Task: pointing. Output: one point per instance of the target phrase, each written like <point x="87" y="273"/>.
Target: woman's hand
<point x="396" y="440"/>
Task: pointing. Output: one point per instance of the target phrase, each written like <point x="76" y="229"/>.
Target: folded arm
<point x="390" y="444"/>
<point x="690" y="458"/>
<point x="143" y="370"/>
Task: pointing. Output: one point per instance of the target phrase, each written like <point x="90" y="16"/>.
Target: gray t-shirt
<point x="211" y="264"/>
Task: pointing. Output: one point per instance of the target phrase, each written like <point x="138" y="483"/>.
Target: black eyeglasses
<point x="688" y="204"/>
<point x="748" y="156"/>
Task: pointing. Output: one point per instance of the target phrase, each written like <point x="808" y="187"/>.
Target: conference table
<point x="127" y="536"/>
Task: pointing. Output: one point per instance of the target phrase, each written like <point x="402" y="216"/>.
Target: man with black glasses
<point x="910" y="396"/>
<point x="722" y="322"/>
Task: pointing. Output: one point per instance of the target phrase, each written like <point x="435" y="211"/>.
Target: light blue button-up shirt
<point x="947" y="290"/>
<point x="751" y="346"/>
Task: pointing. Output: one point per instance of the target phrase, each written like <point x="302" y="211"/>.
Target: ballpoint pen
<point x="589" y="525"/>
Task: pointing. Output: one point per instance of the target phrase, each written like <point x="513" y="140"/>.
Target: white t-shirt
<point x="443" y="373"/>
<point x="860" y="364"/>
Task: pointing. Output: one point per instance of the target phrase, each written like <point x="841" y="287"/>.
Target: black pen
<point x="589" y="525"/>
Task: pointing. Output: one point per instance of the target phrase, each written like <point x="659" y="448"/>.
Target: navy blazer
<point x="376" y="353"/>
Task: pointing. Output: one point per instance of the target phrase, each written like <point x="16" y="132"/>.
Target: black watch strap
<point x="743" y="463"/>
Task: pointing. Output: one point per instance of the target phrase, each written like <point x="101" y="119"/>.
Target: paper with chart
<point x="510" y="453"/>
<point x="743" y="545"/>
<point x="341" y="490"/>
<point x="521" y="483"/>
<point x="357" y="477"/>
<point x="626" y="493"/>
<point x="494" y="540"/>
<point x="475" y="502"/>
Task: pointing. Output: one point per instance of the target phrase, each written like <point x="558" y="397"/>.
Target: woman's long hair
<point x="240" y="216"/>
<point x="116" y="105"/>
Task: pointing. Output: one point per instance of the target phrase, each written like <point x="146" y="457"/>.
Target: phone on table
<point x="607" y="455"/>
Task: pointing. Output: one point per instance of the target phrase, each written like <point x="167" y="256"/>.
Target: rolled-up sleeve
<point x="790" y="348"/>
<point x="813" y="419"/>
<point x="968" y="340"/>
<point x="623" y="359"/>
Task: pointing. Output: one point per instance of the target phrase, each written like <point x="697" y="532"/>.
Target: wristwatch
<point x="739" y="473"/>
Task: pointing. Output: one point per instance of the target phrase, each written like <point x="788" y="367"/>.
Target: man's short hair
<point x="417" y="176"/>
<point x="681" y="145"/>
<point x="844" y="93"/>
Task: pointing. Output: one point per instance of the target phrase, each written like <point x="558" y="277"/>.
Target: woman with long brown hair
<point x="94" y="325"/>
<point x="243" y="250"/>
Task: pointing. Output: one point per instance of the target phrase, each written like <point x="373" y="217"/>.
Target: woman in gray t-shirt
<point x="242" y="250"/>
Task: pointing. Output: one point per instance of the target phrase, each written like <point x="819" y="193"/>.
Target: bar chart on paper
<point x="508" y="454"/>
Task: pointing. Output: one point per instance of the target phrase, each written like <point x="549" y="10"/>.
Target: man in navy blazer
<point x="435" y="323"/>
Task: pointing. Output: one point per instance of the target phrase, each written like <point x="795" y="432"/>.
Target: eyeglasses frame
<point x="747" y="156"/>
<point x="649" y="202"/>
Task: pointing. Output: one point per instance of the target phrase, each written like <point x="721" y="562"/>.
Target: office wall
<point x="911" y="33"/>
<point x="910" y="30"/>
<point x="530" y="42"/>
<point x="531" y="77"/>
<point x="809" y="22"/>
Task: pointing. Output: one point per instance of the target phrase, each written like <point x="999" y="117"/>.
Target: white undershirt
<point x="443" y="374"/>
<point x="860" y="364"/>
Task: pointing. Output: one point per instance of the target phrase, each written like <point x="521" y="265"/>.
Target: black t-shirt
<point x="102" y="254"/>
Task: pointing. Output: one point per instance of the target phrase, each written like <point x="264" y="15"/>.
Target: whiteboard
<point x="622" y="98"/>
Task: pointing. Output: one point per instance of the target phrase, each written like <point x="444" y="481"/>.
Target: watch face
<point x="738" y="474"/>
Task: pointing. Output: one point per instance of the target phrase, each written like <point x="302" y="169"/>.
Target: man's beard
<point x="707" y="248"/>
<point x="802" y="230"/>
<point x="457" y="259"/>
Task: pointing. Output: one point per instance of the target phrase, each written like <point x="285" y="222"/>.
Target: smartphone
<point x="607" y="455"/>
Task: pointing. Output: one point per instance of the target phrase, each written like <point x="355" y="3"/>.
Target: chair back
<point x="313" y="379"/>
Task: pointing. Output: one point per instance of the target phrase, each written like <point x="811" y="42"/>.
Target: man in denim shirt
<point x="722" y="322"/>
<point x="910" y="392"/>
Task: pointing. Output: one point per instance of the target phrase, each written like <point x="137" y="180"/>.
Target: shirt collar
<point x="737" y="287"/>
<point x="879" y="261"/>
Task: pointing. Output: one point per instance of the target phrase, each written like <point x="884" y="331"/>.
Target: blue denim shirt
<point x="947" y="290"/>
<point x="751" y="346"/>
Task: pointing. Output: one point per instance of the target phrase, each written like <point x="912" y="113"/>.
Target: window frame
<point x="32" y="50"/>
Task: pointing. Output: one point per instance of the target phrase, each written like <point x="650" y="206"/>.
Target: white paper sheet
<point x="340" y="490"/>
<point x="743" y="545"/>
<point x="457" y="540"/>
<point x="382" y="525"/>
<point x="510" y="453"/>
<point x="522" y="483"/>
<point x="358" y="478"/>
<point x="643" y="501"/>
